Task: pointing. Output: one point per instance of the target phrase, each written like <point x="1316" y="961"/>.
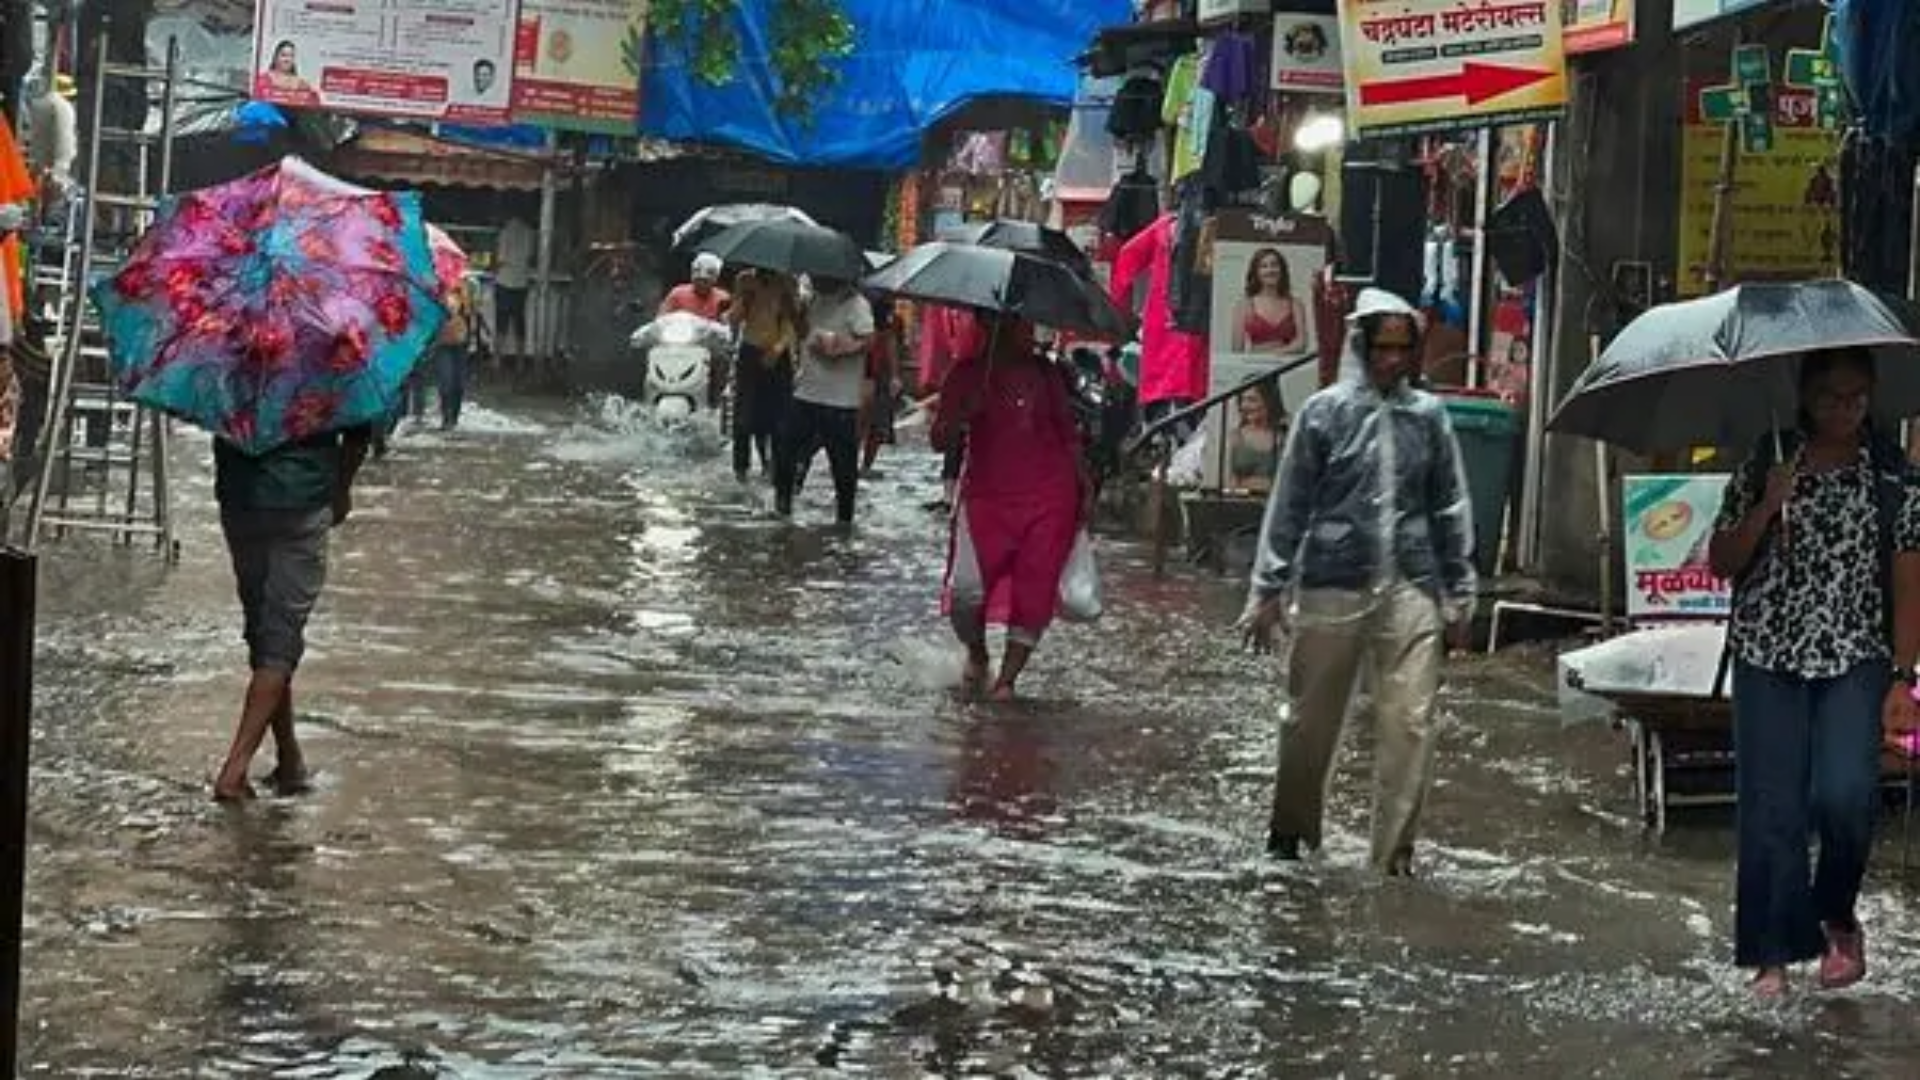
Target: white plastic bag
<point x="1080" y="583"/>
<point x="965" y="588"/>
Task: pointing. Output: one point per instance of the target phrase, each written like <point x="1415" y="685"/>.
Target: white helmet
<point x="706" y="266"/>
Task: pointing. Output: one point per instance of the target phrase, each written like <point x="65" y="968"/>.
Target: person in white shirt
<point x="825" y="412"/>
<point x="513" y="274"/>
<point x="53" y="141"/>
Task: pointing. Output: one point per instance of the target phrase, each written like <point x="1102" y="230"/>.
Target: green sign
<point x="1750" y="65"/>
<point x="1818" y="70"/>
<point x="1720" y="104"/>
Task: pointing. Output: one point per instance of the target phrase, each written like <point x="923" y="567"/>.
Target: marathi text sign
<point x="448" y="60"/>
<point x="1784" y="222"/>
<point x="1433" y="65"/>
<point x="1596" y="25"/>
<point x="1669" y="522"/>
<point x="577" y="64"/>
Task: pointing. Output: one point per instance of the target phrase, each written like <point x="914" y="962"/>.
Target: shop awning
<point x="416" y="159"/>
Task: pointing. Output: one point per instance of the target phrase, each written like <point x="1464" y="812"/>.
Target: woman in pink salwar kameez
<point x="1022" y="500"/>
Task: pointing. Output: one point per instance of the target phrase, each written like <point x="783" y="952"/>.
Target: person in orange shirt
<point x="701" y="296"/>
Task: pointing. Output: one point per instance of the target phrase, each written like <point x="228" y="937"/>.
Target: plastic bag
<point x="1080" y="583"/>
<point x="965" y="587"/>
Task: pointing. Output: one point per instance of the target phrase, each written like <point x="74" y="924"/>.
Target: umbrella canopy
<point x="276" y="307"/>
<point x="1723" y="370"/>
<point x="450" y="260"/>
<point x="1026" y="238"/>
<point x="996" y="280"/>
<point x="706" y="223"/>
<point x="791" y="247"/>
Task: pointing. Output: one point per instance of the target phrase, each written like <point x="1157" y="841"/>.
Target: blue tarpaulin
<point x="913" y="64"/>
<point x="1877" y="40"/>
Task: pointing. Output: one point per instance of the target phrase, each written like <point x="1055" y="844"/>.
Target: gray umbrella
<point x="1724" y="370"/>
<point x="791" y="247"/>
<point x="708" y="222"/>
<point x="1007" y="282"/>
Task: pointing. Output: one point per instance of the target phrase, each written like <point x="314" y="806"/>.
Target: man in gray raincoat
<point x="1366" y="559"/>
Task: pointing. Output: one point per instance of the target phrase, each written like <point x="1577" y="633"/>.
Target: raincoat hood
<point x="1371" y="301"/>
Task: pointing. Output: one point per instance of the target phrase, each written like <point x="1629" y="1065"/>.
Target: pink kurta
<point x="1019" y="504"/>
<point x="1173" y="364"/>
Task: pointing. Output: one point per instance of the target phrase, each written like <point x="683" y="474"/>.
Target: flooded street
<point x="620" y="778"/>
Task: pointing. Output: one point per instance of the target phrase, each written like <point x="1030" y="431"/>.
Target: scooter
<point x="682" y="353"/>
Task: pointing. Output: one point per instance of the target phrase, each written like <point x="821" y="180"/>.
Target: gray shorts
<point x="280" y="563"/>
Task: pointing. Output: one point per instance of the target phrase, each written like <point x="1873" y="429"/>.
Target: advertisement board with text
<point x="448" y="60"/>
<point x="577" y="64"/>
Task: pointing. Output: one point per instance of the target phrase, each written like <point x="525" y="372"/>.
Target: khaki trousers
<point x="1394" y="637"/>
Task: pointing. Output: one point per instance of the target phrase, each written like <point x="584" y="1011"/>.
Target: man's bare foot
<point x="224" y="792"/>
<point x="291" y="778"/>
<point x="1003" y="694"/>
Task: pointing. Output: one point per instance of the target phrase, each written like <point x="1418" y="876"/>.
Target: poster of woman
<point x="1262" y="324"/>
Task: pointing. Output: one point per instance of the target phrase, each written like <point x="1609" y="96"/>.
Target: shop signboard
<point x="1786" y="205"/>
<point x="1263" y="272"/>
<point x="576" y="64"/>
<point x="444" y="60"/>
<point x="1437" y="65"/>
<point x="1669" y="522"/>
<point x="1689" y="13"/>
<point x="1597" y="25"/>
<point x="1306" y="53"/>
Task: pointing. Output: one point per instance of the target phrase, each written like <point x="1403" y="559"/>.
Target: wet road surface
<point x="618" y="778"/>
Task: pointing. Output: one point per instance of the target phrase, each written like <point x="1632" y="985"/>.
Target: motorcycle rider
<point x="702" y="295"/>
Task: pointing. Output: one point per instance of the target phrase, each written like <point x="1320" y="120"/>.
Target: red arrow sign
<point x="1475" y="82"/>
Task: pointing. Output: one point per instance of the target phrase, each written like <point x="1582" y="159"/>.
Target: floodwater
<point x="619" y="778"/>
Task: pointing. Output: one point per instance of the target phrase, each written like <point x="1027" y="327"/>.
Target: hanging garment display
<point x="1173" y="364"/>
<point x="1190" y="285"/>
<point x="1188" y="110"/>
<point x="1232" y="68"/>
<point x="1133" y="205"/>
<point x="1232" y="163"/>
<point x="1137" y="107"/>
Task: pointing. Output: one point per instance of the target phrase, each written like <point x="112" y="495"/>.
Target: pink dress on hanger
<point x="1173" y="364"/>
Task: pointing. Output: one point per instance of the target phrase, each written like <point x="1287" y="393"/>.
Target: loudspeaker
<point x="1382" y="223"/>
<point x="1521" y="238"/>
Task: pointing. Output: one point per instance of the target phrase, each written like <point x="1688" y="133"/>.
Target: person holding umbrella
<point x="1025" y="495"/>
<point x="1366" y="557"/>
<point x="1818" y="533"/>
<point x="281" y="312"/>
<point x="825" y="411"/>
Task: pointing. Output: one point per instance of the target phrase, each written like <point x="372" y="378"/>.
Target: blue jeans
<point x="450" y="378"/>
<point x="1807" y="756"/>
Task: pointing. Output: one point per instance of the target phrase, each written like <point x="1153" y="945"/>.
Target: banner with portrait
<point x="1263" y="272"/>
<point x="451" y="60"/>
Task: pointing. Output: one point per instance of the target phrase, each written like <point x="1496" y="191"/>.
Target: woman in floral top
<point x="1808" y="533"/>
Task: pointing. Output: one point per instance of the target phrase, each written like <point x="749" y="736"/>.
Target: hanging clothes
<point x="1173" y="364"/>
<point x="1188" y="110"/>
<point x="1190" y="283"/>
<point x="1232" y="68"/>
<point x="1136" y="111"/>
<point x="1132" y="206"/>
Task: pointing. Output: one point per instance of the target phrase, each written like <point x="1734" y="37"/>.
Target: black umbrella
<point x="707" y="223"/>
<point x="1027" y="238"/>
<point x="790" y="247"/>
<point x="1006" y="282"/>
<point x="1723" y="370"/>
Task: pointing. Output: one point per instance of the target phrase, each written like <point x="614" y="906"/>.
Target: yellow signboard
<point x="1785" y="219"/>
<point x="1433" y="65"/>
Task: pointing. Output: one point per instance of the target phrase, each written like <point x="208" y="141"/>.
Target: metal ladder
<point x="94" y="436"/>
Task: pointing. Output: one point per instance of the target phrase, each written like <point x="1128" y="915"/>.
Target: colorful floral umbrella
<point x="277" y="307"/>
<point x="450" y="261"/>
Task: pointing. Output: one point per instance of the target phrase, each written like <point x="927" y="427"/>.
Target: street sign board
<point x="1435" y="65"/>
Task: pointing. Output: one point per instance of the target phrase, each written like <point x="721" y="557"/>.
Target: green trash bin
<point x="1486" y="428"/>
